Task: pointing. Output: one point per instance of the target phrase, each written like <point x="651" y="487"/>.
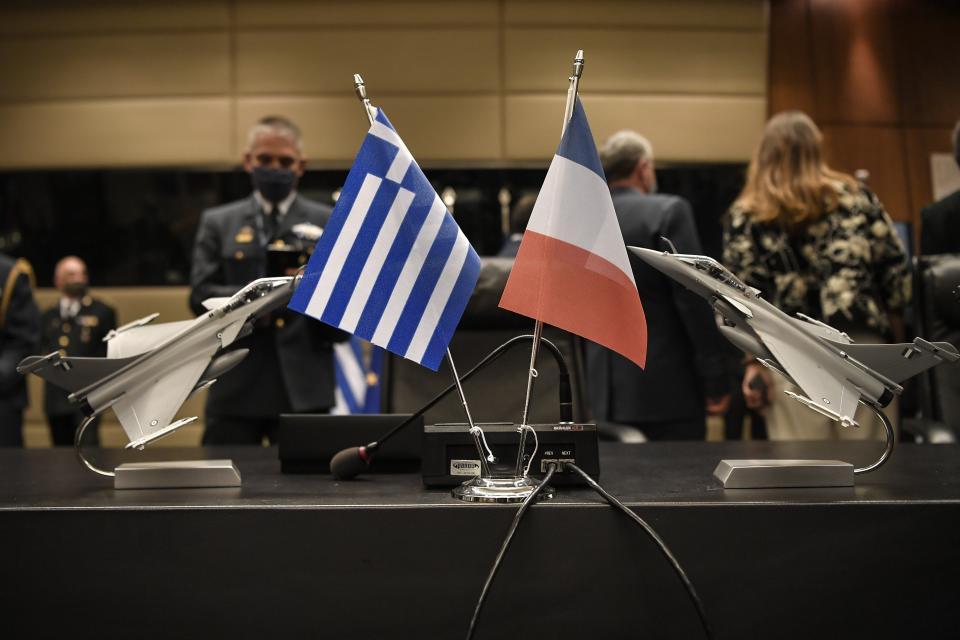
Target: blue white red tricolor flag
<point x="392" y="266"/>
<point x="572" y="269"/>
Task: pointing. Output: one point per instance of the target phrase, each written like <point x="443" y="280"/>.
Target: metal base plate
<point x="760" y="474"/>
<point x="177" y="474"/>
<point x="482" y="489"/>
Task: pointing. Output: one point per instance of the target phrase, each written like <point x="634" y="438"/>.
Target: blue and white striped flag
<point x="357" y="367"/>
<point x="392" y="266"/>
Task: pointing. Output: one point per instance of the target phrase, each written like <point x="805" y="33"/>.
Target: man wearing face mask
<point x="685" y="377"/>
<point x="290" y="364"/>
<point x="75" y="327"/>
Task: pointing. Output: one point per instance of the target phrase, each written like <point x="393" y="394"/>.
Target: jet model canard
<point x="833" y="372"/>
<point x="150" y="370"/>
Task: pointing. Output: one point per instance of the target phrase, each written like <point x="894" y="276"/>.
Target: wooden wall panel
<point x="854" y="61"/>
<point x="434" y="128"/>
<point x="710" y="129"/>
<point x="449" y="71"/>
<point x="407" y="60"/>
<point x="287" y="13"/>
<point x="879" y="77"/>
<point x="736" y="14"/>
<point x="879" y="150"/>
<point x="920" y="143"/>
<point x="790" y="58"/>
<point x="69" y="16"/>
<point x="188" y="131"/>
<point x="34" y="68"/>
<point x="638" y="61"/>
<point x="929" y="62"/>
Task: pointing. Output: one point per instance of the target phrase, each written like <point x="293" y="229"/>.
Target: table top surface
<point x="652" y="474"/>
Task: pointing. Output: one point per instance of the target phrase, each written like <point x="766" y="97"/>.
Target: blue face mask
<point x="273" y="184"/>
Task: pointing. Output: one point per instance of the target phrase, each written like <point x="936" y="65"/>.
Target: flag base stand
<point x="500" y="490"/>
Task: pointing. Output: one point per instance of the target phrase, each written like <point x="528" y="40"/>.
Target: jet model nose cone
<point x="649" y="256"/>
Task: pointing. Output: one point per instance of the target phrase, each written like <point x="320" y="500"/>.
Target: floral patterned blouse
<point x="848" y="268"/>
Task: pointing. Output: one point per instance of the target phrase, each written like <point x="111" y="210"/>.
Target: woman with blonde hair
<point x="813" y="241"/>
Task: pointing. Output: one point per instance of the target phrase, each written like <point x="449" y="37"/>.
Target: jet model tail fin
<point x="71" y="374"/>
<point x="901" y="361"/>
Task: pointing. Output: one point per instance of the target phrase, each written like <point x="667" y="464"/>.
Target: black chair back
<point x="937" y="302"/>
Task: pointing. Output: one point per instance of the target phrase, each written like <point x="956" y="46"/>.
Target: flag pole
<point x="486" y="456"/>
<point x="572" y="89"/>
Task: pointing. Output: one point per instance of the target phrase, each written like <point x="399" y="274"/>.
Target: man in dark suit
<point x="685" y="373"/>
<point x="19" y="336"/>
<point x="290" y="364"/>
<point x="940" y="221"/>
<point x="75" y="327"/>
<point x="519" y="217"/>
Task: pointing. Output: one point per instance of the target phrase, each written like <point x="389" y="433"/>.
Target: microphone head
<point x="350" y="463"/>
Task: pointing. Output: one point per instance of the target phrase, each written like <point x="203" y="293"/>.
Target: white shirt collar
<point x="282" y="207"/>
<point x="69" y="307"/>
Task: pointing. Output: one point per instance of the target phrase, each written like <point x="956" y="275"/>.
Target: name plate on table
<point x="763" y="474"/>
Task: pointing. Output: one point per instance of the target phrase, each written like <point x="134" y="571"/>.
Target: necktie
<point x="270" y="224"/>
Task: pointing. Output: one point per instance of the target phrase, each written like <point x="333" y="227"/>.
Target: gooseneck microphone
<point x="351" y="462"/>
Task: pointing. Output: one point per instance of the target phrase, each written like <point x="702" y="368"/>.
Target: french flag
<point x="572" y="269"/>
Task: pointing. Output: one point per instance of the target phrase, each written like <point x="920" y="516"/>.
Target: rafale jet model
<point x="833" y="372"/>
<point x="150" y="370"/>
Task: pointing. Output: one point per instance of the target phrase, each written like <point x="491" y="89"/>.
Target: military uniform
<point x="290" y="364"/>
<point x="19" y="334"/>
<point x="75" y="333"/>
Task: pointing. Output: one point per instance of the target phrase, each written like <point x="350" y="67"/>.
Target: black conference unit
<point x="296" y="556"/>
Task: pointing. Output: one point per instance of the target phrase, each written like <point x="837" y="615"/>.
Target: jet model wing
<point x="898" y="362"/>
<point x="71" y="374"/>
<point x="215" y="303"/>
<point x="823" y="330"/>
<point x="826" y="393"/>
<point x="141" y="339"/>
<point x="146" y="412"/>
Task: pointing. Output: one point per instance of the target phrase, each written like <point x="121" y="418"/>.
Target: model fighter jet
<point x="150" y="370"/>
<point x="833" y="371"/>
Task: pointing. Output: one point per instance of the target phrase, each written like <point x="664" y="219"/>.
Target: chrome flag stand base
<point x="500" y="490"/>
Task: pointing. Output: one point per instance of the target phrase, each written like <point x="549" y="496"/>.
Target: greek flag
<point x="392" y="266"/>
<point x="357" y="367"/>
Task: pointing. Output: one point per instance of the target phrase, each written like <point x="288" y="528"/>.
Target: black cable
<point x="656" y="538"/>
<point x="566" y="402"/>
<point x="506" y="544"/>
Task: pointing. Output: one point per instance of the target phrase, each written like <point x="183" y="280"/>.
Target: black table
<point x="305" y="556"/>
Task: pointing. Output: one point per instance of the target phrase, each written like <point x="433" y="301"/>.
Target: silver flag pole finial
<point x="578" y="64"/>
<point x="361" y="90"/>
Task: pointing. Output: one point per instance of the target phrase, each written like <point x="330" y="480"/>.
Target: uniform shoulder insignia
<point x="23" y="266"/>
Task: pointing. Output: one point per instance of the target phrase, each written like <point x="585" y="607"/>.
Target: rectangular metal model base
<point x="177" y="474"/>
<point x="760" y="474"/>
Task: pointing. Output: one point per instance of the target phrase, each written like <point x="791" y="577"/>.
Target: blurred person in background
<point x="813" y="241"/>
<point x="519" y="217"/>
<point x="685" y="377"/>
<point x="290" y="364"/>
<point x="76" y="327"/>
<point x="19" y="338"/>
<point x="940" y="221"/>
